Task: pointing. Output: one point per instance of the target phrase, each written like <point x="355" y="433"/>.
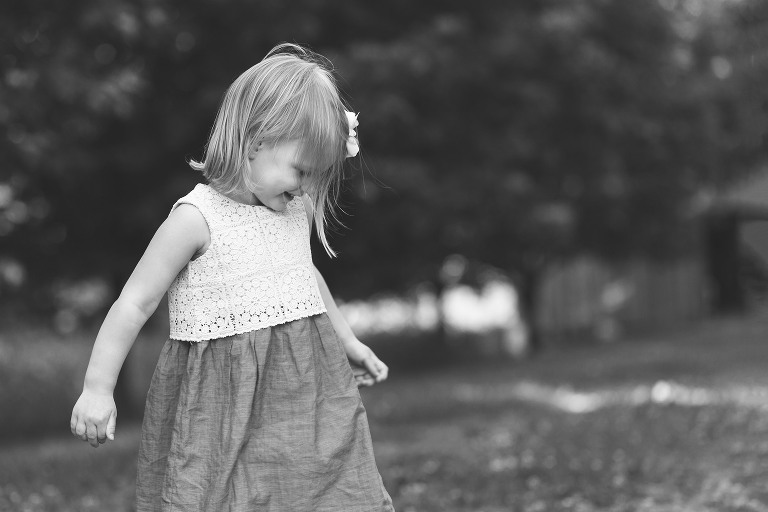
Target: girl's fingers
<point x="92" y="435"/>
<point x="101" y="433"/>
<point x="378" y="369"/>
<point x="111" y="426"/>
<point x="366" y="382"/>
<point x="372" y="368"/>
<point x="383" y="373"/>
<point x="364" y="379"/>
<point x="80" y="430"/>
<point x="106" y="430"/>
<point x="371" y="365"/>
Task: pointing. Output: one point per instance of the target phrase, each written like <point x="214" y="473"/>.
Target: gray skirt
<point x="269" y="420"/>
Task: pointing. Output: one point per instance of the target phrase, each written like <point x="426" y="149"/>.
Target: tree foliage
<point x="510" y="132"/>
<point x="528" y="132"/>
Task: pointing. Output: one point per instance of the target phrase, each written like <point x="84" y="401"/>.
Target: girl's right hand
<point x="94" y="417"/>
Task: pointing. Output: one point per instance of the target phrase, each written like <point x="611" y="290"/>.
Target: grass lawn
<point x="673" y="422"/>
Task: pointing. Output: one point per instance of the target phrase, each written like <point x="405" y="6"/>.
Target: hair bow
<point x="353" y="146"/>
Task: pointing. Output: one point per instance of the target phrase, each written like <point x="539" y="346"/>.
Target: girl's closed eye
<point x="303" y="174"/>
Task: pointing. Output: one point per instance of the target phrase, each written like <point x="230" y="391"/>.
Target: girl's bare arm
<point x="183" y="234"/>
<point x="357" y="351"/>
<point x="369" y="368"/>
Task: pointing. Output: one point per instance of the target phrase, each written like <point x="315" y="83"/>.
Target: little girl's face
<point x="277" y="174"/>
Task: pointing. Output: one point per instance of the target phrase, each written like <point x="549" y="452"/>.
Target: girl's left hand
<point x="366" y="367"/>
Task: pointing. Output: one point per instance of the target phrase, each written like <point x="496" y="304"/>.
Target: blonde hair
<point x="290" y="95"/>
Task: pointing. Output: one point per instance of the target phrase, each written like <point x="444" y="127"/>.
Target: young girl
<point x="254" y="404"/>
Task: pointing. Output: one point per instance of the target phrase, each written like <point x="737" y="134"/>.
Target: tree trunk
<point x="724" y="264"/>
<point x="441" y="331"/>
<point x="527" y="288"/>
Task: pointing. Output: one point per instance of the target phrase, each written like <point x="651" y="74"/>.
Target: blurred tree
<point x="740" y="64"/>
<point x="102" y="102"/>
<point x="520" y="133"/>
<point x="514" y="133"/>
<point x="741" y="60"/>
<point x="71" y="84"/>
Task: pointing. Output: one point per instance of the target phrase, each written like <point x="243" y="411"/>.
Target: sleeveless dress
<point x="254" y="419"/>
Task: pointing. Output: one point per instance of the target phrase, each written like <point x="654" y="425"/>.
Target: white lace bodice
<point x="256" y="273"/>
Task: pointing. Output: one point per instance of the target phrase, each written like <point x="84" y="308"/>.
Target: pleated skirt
<point x="270" y="420"/>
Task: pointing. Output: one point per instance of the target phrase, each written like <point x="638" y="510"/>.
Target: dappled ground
<point x="674" y="422"/>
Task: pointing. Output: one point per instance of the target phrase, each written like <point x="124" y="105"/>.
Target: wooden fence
<point x="587" y="295"/>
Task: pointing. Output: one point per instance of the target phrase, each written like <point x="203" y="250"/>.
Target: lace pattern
<point x="256" y="273"/>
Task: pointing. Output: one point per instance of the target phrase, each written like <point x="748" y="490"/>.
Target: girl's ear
<point x="254" y="149"/>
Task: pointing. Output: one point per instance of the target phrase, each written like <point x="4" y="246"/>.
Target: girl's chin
<point x="280" y="202"/>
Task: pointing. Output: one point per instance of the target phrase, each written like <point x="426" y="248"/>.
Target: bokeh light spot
<point x="721" y="67"/>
